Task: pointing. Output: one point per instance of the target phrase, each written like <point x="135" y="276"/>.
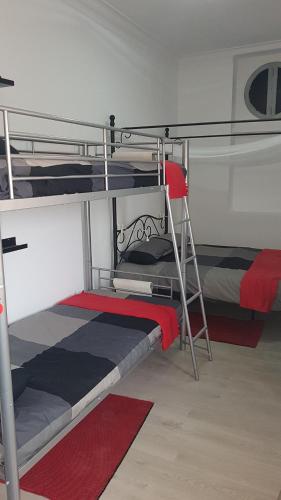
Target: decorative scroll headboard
<point x="142" y="228"/>
<point x="139" y="225"/>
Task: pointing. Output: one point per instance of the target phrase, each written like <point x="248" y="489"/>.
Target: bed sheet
<point x="72" y="355"/>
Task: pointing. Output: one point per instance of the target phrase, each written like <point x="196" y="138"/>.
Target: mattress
<point x="73" y="355"/>
<point x="128" y="176"/>
<point x="221" y="270"/>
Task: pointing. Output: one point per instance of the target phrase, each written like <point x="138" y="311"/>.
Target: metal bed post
<point x="87" y="245"/>
<point x="186" y="160"/>
<point x="114" y="201"/>
<point x="164" y="163"/>
<point x="8" y="153"/>
<point x="158" y="162"/>
<point x="87" y="238"/>
<point x="104" y="135"/>
<point x="7" y="402"/>
<point x="167" y="132"/>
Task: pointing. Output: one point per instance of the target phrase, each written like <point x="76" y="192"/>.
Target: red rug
<point x="82" y="464"/>
<point x="246" y="333"/>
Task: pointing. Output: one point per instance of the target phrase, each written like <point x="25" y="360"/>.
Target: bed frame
<point x="175" y="139"/>
<point x="103" y="141"/>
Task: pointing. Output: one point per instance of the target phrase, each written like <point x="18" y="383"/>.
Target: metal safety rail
<point x="84" y="149"/>
<point x="90" y="150"/>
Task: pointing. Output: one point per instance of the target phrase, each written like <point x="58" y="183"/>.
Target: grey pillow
<point x="149" y="252"/>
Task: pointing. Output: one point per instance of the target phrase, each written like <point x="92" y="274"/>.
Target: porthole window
<point x="263" y="91"/>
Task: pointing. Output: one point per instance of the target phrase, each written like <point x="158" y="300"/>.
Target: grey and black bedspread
<point x="71" y="356"/>
<point x="221" y="270"/>
<point x="49" y="187"/>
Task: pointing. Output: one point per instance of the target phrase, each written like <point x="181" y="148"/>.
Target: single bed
<point x="221" y="268"/>
<point x="72" y="356"/>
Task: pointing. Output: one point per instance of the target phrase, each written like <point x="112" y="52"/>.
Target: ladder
<point x="187" y="336"/>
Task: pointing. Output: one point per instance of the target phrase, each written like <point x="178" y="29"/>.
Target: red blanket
<point x="259" y="285"/>
<point x="176" y="180"/>
<point x="165" y="316"/>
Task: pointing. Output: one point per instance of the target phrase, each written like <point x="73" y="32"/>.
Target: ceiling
<point x="185" y="26"/>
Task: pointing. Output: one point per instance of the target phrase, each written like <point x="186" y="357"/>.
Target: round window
<point x="263" y="91"/>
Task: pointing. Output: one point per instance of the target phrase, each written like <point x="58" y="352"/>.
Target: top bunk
<point x="53" y="167"/>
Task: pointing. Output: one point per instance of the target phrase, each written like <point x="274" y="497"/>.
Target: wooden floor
<point x="216" y="439"/>
<point x="24" y="495"/>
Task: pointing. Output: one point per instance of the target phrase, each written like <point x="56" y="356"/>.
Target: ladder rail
<point x="182" y="288"/>
<point x="192" y="244"/>
<point x="186" y="337"/>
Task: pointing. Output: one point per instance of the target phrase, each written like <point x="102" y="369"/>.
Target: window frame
<point x="273" y="68"/>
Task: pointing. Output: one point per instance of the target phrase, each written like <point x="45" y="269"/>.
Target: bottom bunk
<point x="66" y="357"/>
<point x="222" y="269"/>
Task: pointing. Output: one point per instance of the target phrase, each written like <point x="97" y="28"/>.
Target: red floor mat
<point x="81" y="465"/>
<point x="231" y="331"/>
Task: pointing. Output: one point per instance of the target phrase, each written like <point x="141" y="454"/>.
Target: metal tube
<point x="105" y="158"/>
<point x="112" y="133"/>
<point x="8" y="154"/>
<point x="114" y="232"/>
<point x="6" y="393"/>
<point x="197" y="124"/>
<point x="119" y="271"/>
<point x="164" y="160"/>
<point x="46" y="116"/>
<point x="90" y="159"/>
<point x="90" y="176"/>
<point x="45" y="201"/>
<point x="87" y="245"/>
<point x="18" y="136"/>
<point x="159" y="162"/>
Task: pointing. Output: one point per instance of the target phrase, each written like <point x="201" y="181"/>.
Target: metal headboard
<point x="142" y="228"/>
<point x="116" y="234"/>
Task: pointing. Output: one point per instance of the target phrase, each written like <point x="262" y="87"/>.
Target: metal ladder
<point x="187" y="338"/>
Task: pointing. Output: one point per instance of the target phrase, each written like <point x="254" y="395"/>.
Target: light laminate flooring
<point x="216" y="439"/>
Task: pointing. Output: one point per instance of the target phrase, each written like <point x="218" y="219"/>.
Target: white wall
<point x="219" y="208"/>
<point x="71" y="62"/>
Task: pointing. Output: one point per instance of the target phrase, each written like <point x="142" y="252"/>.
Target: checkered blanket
<point x="72" y="355"/>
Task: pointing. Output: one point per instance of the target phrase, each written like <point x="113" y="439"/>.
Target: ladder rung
<point x="189" y="259"/>
<point x="200" y="333"/>
<point x="181" y="222"/>
<point x="194" y="297"/>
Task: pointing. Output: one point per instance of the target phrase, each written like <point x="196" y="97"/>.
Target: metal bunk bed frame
<point x="82" y="152"/>
<point x="12" y="204"/>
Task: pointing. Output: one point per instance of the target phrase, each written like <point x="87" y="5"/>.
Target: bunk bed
<point x="221" y="268"/>
<point x="97" y="336"/>
<point x="228" y="274"/>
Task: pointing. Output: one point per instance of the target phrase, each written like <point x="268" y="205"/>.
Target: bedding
<point x="163" y="315"/>
<point x="259" y="285"/>
<point x="221" y="271"/>
<point x="13" y="150"/>
<point x="71" y="355"/>
<point x="149" y="252"/>
<point x="49" y="187"/>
